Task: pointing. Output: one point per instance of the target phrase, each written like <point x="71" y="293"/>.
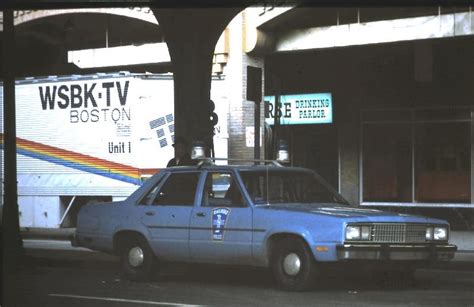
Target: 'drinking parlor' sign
<point x="300" y="109"/>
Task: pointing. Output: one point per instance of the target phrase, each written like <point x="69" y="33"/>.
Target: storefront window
<point x="417" y="156"/>
<point x="443" y="166"/>
<point x="387" y="167"/>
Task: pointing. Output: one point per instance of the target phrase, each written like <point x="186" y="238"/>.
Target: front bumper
<point x="439" y="252"/>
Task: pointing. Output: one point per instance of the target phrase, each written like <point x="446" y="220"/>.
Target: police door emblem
<point x="219" y="219"/>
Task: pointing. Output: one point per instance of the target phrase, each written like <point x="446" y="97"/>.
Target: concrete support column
<point x="349" y="142"/>
<point x="191" y="35"/>
<point x="472" y="158"/>
<point x="10" y="219"/>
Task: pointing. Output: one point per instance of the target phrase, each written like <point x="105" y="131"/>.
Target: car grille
<point x="398" y="233"/>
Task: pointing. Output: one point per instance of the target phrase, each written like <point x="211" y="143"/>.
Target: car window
<point x="149" y="196"/>
<point x="178" y="190"/>
<point x="221" y="190"/>
<point x="284" y="187"/>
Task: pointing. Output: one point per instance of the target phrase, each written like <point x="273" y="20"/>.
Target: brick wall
<point x="241" y="111"/>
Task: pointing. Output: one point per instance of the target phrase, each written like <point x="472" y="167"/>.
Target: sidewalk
<point x="464" y="240"/>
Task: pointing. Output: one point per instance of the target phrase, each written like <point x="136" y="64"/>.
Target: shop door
<point x="316" y="147"/>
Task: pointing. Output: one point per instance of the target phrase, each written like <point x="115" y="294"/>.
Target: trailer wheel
<point x="137" y="260"/>
<point x="293" y="266"/>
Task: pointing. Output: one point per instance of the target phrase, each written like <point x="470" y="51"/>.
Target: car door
<point x="167" y="212"/>
<point x="221" y="224"/>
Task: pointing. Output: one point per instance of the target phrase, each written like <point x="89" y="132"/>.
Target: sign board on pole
<point x="250" y="136"/>
<point x="254" y="84"/>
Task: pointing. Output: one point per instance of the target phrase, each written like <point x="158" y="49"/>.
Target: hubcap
<point x="292" y="264"/>
<point x="135" y="256"/>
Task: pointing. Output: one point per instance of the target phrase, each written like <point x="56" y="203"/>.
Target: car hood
<point x="340" y="211"/>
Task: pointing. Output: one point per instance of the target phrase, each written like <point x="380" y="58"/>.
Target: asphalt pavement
<point x="53" y="273"/>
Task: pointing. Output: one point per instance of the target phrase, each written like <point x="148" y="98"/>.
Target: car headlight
<point x="436" y="233"/>
<point x="353" y="233"/>
<point x="429" y="233"/>
<point x="440" y="233"/>
<point x="361" y="233"/>
<point x="365" y="232"/>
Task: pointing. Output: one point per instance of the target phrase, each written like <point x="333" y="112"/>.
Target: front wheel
<point x="293" y="265"/>
<point x="137" y="260"/>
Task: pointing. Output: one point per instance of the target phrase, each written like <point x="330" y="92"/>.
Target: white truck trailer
<point x="92" y="138"/>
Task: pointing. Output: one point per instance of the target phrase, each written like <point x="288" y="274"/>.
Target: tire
<point x="293" y="265"/>
<point x="137" y="260"/>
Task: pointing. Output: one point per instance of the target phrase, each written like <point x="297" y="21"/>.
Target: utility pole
<point x="254" y="93"/>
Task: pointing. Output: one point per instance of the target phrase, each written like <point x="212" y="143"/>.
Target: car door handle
<point x="201" y="214"/>
<point x="150" y="213"/>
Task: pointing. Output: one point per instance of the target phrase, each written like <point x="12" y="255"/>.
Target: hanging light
<point x="198" y="150"/>
<point x="283" y="154"/>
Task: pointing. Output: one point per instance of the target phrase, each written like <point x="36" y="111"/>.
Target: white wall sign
<point x="300" y="109"/>
<point x="250" y="136"/>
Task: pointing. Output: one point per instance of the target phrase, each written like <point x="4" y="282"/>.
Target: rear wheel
<point x="137" y="260"/>
<point x="293" y="265"/>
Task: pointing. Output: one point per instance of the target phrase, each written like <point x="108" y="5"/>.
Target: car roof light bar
<point x="209" y="161"/>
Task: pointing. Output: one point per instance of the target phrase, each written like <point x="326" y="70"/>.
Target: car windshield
<point x="280" y="186"/>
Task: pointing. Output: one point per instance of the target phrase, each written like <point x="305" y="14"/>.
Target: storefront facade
<point x="402" y="132"/>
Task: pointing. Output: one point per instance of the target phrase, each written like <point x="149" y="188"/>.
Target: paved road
<point x="68" y="277"/>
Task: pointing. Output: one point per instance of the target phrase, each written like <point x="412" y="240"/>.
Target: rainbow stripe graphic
<point x="79" y="161"/>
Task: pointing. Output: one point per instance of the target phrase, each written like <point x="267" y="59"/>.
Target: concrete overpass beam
<point x="255" y="40"/>
<point x="120" y="56"/>
<point x="386" y="31"/>
<point x="141" y="13"/>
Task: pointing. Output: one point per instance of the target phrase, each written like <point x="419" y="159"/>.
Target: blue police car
<point x="284" y="218"/>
